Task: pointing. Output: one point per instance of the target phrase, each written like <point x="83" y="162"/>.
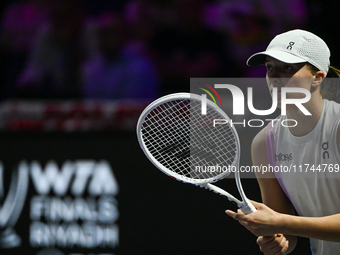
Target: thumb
<point x="256" y="204"/>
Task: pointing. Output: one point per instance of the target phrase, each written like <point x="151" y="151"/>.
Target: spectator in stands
<point x="119" y="70"/>
<point x="189" y="49"/>
<point x="141" y="20"/>
<point x="60" y="47"/>
<point x="19" y="24"/>
<point x="249" y="25"/>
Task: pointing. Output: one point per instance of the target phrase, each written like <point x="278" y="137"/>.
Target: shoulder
<point x="332" y="109"/>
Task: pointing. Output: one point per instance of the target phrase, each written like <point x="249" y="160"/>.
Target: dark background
<point x="157" y="214"/>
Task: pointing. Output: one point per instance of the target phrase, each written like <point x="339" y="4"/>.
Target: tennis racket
<point x="190" y="146"/>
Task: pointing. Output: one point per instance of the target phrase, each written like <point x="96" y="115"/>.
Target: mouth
<point x="278" y="91"/>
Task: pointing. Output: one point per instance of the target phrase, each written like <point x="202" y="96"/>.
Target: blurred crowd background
<point x="142" y="49"/>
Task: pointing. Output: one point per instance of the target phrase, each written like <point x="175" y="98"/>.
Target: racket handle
<point x="248" y="208"/>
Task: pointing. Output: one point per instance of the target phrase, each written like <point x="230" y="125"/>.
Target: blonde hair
<point x="330" y="87"/>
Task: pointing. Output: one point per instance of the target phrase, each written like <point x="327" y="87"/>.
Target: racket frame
<point x="245" y="205"/>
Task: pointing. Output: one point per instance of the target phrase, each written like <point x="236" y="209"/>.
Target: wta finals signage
<point x="71" y="206"/>
<point x="12" y="205"/>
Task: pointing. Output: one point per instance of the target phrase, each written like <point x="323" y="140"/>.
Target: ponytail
<point x="333" y="72"/>
<point x="330" y="87"/>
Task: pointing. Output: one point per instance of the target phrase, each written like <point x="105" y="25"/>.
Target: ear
<point x="318" y="78"/>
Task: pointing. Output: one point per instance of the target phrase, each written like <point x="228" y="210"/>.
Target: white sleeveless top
<point x="307" y="168"/>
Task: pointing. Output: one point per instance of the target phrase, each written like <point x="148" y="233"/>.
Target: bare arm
<point x="271" y="191"/>
<point x="325" y="228"/>
<point x="273" y="241"/>
<point x="275" y="215"/>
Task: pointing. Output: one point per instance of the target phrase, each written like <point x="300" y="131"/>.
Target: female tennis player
<point x="311" y="147"/>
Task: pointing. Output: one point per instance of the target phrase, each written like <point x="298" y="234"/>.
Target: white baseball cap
<point x="295" y="46"/>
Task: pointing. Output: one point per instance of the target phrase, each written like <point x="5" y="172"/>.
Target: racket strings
<point x="185" y="142"/>
<point x="166" y="134"/>
<point x="217" y="144"/>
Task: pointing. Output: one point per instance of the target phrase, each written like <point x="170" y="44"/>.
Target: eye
<point x="287" y="67"/>
<point x="269" y="67"/>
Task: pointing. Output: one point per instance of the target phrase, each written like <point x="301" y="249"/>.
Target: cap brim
<point x="286" y="57"/>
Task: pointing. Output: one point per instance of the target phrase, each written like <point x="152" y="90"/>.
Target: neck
<point x="305" y="123"/>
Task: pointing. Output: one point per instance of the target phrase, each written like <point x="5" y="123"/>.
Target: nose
<point x="273" y="74"/>
<point x="273" y="81"/>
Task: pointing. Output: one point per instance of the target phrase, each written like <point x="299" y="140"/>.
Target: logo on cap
<point x="290" y="46"/>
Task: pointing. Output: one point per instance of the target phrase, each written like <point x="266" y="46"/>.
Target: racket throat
<point x="247" y="206"/>
<point x="244" y="205"/>
<point x="222" y="192"/>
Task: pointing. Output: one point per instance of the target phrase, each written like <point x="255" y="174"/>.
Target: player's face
<point x="280" y="74"/>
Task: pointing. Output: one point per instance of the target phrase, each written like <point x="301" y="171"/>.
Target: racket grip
<point x="248" y="208"/>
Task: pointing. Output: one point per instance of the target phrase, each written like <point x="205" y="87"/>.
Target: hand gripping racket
<point x="190" y="146"/>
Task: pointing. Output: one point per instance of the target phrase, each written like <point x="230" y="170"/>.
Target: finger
<point x="256" y="204"/>
<point x="244" y="223"/>
<point x="280" y="244"/>
<point x="261" y="240"/>
<point x="231" y="213"/>
<point x="239" y="215"/>
<point x="272" y="247"/>
<point x="239" y="211"/>
<point x="272" y="244"/>
<point x="284" y="249"/>
<point x="234" y="215"/>
<point x="270" y="238"/>
<point x="286" y="246"/>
